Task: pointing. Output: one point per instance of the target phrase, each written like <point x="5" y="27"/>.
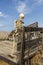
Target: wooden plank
<point x="42" y="41"/>
<point x="22" y="47"/>
<point x="5" y="51"/>
<point x="28" y="38"/>
<point x="31" y="29"/>
<point x="32" y="52"/>
<point x="7" y="60"/>
<point x="33" y="24"/>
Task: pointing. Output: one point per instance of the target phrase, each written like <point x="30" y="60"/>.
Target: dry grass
<point x="3" y="63"/>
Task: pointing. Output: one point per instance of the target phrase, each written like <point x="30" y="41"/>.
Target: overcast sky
<point x="10" y="10"/>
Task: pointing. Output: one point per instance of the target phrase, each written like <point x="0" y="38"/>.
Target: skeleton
<point x="18" y="27"/>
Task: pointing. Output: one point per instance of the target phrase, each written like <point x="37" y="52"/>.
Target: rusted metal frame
<point x="22" y="47"/>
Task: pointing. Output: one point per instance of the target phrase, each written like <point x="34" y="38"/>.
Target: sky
<point x="11" y="9"/>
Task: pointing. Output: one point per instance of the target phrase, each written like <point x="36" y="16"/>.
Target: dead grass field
<point x="4" y="35"/>
<point x="3" y="63"/>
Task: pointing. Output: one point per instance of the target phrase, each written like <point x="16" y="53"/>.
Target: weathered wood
<point x="28" y="38"/>
<point x="5" y="50"/>
<point x="33" y="24"/>
<point x="42" y="40"/>
<point x="7" y="60"/>
<point x="28" y="29"/>
<point x="22" y="47"/>
<point x="31" y="29"/>
<point x="23" y="41"/>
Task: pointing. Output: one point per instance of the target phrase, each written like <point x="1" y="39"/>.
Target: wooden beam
<point x="7" y="60"/>
<point x="22" y="47"/>
<point x="31" y="29"/>
<point x="33" y="24"/>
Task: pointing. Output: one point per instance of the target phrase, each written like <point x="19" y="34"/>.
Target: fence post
<point x="22" y="47"/>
